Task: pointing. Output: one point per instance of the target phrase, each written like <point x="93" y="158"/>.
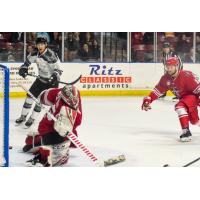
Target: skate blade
<point x="187" y="139"/>
<point x="16" y="124"/>
<point x="26" y="127"/>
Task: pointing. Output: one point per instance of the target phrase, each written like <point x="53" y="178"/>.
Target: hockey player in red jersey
<point x="51" y="145"/>
<point x="185" y="85"/>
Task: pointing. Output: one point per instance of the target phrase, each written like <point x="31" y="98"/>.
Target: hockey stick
<point x="186" y="165"/>
<point x="74" y="139"/>
<point x="71" y="83"/>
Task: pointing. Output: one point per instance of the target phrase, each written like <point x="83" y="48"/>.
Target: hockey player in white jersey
<point x="49" y="73"/>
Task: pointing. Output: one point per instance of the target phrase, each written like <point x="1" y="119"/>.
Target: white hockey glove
<point x="65" y="122"/>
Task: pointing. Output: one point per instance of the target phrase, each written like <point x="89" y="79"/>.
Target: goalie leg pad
<point x="48" y="156"/>
<point x="60" y="153"/>
<point x="31" y="142"/>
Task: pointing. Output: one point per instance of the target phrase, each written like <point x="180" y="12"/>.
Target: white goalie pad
<point x="60" y="153"/>
<point x="65" y="121"/>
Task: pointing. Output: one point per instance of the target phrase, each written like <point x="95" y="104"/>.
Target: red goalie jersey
<point x="53" y="97"/>
<point x="179" y="86"/>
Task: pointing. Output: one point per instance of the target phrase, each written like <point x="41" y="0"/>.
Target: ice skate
<point x="20" y="120"/>
<point x="186" y="136"/>
<point x="163" y="96"/>
<point x="29" y="122"/>
<point x="175" y="99"/>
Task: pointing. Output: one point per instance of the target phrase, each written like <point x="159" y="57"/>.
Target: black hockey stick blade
<point x="192" y="162"/>
<point x="71" y="83"/>
<point x="115" y="160"/>
<point x="186" y="165"/>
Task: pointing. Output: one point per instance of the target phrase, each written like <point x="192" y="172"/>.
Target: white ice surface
<point x="117" y="125"/>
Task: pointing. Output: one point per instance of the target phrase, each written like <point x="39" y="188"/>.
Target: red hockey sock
<point x="184" y="121"/>
<point x="182" y="114"/>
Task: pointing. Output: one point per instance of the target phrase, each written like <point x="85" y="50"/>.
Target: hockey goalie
<point x="50" y="144"/>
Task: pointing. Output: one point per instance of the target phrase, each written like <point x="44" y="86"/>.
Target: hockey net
<point x="4" y="116"/>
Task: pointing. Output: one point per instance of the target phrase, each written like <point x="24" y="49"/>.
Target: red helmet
<point x="70" y="96"/>
<point x="172" y="61"/>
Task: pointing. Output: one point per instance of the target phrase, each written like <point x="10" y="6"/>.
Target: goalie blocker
<point x="50" y="144"/>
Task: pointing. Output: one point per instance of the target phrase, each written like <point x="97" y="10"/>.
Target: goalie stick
<point x="71" y="83"/>
<point x="74" y="139"/>
<point x="186" y="165"/>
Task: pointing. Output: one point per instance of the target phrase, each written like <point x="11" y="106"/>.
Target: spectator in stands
<point x="85" y="37"/>
<point x="5" y="36"/>
<point x="8" y="53"/>
<point x="136" y="38"/>
<point x="29" y="49"/>
<point x="88" y="39"/>
<point x="84" y="53"/>
<point x="122" y="35"/>
<point x="30" y="37"/>
<point x="148" y="38"/>
<point x="169" y="34"/>
<point x="76" y="36"/>
<point x="72" y="46"/>
<point x="72" y="43"/>
<point x="57" y="43"/>
<point x="17" y="37"/>
<point x="183" y="45"/>
<point x="54" y="37"/>
<point x="95" y="50"/>
<point x="198" y="48"/>
<point x="189" y="58"/>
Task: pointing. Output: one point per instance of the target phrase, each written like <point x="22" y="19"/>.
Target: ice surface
<point x="117" y="125"/>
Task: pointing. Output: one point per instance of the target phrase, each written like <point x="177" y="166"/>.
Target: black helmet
<point x="166" y="45"/>
<point x="41" y="40"/>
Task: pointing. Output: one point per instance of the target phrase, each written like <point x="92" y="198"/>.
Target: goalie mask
<point x="70" y="96"/>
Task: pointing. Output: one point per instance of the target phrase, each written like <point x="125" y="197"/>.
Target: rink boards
<point x="101" y="79"/>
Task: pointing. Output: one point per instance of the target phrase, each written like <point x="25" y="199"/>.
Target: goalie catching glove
<point x="65" y="121"/>
<point x="55" y="78"/>
<point x="23" y="71"/>
<point x="146" y="103"/>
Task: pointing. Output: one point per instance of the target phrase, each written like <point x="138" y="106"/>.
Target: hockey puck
<point x="166" y="165"/>
<point x="10" y="147"/>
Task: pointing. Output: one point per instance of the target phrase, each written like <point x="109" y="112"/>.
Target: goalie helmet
<point x="70" y="96"/>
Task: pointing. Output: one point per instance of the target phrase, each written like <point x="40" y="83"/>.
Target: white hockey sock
<point x="27" y="106"/>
